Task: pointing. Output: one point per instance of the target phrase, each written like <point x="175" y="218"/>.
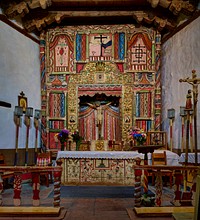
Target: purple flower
<point x="63" y="135"/>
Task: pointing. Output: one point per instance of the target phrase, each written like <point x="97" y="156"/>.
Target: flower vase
<point x="138" y="143"/>
<point x="77" y="145"/>
<point x="62" y="146"/>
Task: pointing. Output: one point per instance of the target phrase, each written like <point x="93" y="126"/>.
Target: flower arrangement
<point x="77" y="138"/>
<point x="63" y="137"/>
<point x="139" y="136"/>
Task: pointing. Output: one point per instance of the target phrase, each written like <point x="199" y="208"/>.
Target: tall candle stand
<point x="28" y="115"/>
<point x="171" y="116"/>
<point x="182" y="114"/>
<point x="37" y="117"/>
<point x="17" y="119"/>
<point x="191" y="132"/>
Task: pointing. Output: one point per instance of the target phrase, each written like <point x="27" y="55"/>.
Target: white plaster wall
<point x="180" y="55"/>
<point x="19" y="71"/>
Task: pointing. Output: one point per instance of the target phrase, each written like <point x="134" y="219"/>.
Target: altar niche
<point x="99" y="117"/>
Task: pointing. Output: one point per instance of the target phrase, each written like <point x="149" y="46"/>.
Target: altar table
<point x="102" y="167"/>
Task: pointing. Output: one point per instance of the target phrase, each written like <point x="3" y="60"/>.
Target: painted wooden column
<point x="178" y="180"/>
<point x="57" y="182"/>
<point x="17" y="189"/>
<point x="36" y="188"/>
<point x="137" y="193"/>
<point x="158" y="199"/>
<point x="145" y="181"/>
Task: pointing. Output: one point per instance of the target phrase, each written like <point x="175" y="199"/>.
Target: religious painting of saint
<point x="22" y="102"/>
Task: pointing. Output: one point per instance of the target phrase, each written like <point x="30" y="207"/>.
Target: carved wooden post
<point x="36" y="188"/>
<point x="57" y="181"/>
<point x="145" y="181"/>
<point x="137" y="193"/>
<point x="17" y="189"/>
<point x="178" y="180"/>
<point x="158" y="185"/>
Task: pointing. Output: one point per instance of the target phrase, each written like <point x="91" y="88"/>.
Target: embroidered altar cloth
<point x="172" y="158"/>
<point x="102" y="167"/>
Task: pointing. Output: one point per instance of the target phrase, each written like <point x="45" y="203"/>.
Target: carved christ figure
<point x="99" y="107"/>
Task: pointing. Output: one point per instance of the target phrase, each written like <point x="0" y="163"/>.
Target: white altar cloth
<point x="172" y="158"/>
<point x="191" y="158"/>
<point x="99" y="154"/>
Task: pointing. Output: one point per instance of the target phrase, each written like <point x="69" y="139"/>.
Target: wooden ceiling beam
<point x="138" y="16"/>
<point x="164" y="15"/>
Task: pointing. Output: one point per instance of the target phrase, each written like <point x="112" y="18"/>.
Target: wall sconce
<point x="171" y="113"/>
<point x="28" y="114"/>
<point x="171" y="116"/>
<point x="37" y="117"/>
<point x="18" y="112"/>
<point x="37" y="114"/>
<point x="182" y="111"/>
<point x="191" y="112"/>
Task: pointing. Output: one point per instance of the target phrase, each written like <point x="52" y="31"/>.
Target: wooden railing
<point x="17" y="172"/>
<point x="179" y="173"/>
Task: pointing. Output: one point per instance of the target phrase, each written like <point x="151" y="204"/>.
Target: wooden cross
<point x="101" y="38"/>
<point x="194" y="81"/>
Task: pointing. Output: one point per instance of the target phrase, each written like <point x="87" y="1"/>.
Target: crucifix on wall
<point x="194" y="81"/>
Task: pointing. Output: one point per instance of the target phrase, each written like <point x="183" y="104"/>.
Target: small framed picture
<point x="100" y="78"/>
<point x="127" y="119"/>
<point x="72" y="119"/>
<point x="22" y="102"/>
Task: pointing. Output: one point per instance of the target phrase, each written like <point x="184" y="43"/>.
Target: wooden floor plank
<point x="39" y="211"/>
<point x="162" y="211"/>
<point x="183" y="216"/>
